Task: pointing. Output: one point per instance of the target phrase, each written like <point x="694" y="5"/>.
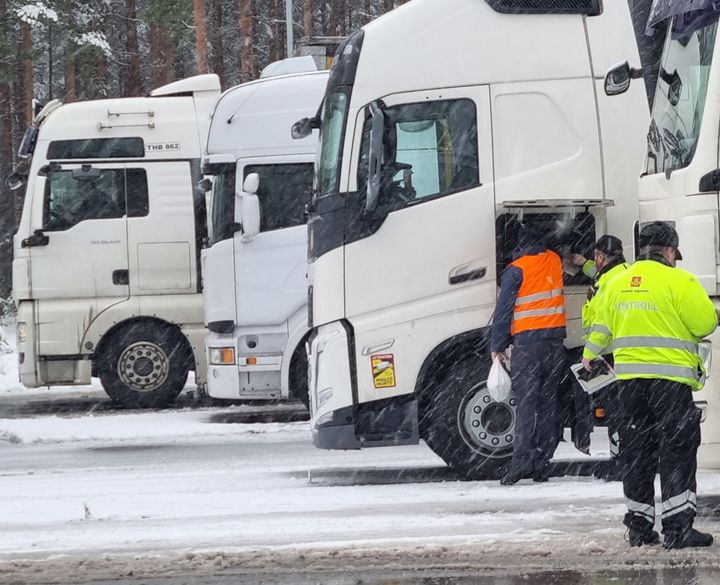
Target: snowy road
<point x="192" y="492"/>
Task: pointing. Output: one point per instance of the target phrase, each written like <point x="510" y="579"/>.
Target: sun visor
<point x="586" y="7"/>
<point x="692" y="15"/>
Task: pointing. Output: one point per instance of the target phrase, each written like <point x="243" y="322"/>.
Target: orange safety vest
<point x="540" y="303"/>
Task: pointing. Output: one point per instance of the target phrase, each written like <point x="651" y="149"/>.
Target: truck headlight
<point x="222" y="356"/>
<point x="21" y="331"/>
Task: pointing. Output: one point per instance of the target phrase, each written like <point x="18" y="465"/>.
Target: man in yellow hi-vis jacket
<point x="654" y="315"/>
<point x="608" y="262"/>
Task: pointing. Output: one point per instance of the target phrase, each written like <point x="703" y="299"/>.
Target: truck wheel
<point x="299" y="387"/>
<point x="465" y="426"/>
<point x="145" y="365"/>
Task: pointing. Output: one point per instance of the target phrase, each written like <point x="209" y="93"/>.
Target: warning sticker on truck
<point x="383" y="370"/>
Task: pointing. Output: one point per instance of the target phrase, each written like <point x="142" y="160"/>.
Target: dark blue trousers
<point x="537" y="369"/>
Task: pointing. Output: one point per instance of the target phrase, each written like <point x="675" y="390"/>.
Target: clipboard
<point x="601" y="376"/>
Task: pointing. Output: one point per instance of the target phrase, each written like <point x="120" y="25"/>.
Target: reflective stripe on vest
<point x="599" y="329"/>
<point x="551" y="294"/>
<point x="540" y="303"/>
<point x="648" y="341"/>
<point x="538" y="312"/>
<point x="657" y="370"/>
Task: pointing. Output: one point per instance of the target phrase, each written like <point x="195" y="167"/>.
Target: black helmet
<point x="659" y="233"/>
<point x="609" y="245"/>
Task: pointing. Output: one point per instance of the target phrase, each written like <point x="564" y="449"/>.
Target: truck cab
<point x="256" y="264"/>
<point x="106" y="269"/>
<point x="427" y="167"/>
<point x="680" y="180"/>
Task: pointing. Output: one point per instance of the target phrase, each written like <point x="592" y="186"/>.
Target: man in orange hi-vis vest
<point x="530" y="314"/>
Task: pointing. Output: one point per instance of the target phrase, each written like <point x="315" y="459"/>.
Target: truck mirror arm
<point x="38" y="238"/>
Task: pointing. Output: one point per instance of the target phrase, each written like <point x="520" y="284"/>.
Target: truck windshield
<point x="680" y="97"/>
<point x="331" y="136"/>
<point x="223" y="205"/>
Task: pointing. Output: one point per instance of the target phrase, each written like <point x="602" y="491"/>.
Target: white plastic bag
<point x="498" y="383"/>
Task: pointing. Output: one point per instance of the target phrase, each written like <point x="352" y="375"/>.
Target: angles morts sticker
<point x="383" y="370"/>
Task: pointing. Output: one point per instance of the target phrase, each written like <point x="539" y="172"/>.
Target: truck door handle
<point x="476" y="274"/>
<point x="37" y="239"/>
<point x="121" y="277"/>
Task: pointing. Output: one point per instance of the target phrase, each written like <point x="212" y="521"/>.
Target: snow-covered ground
<point x="162" y="493"/>
<point x="196" y="492"/>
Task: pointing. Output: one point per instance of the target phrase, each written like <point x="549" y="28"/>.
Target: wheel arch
<point x="104" y="342"/>
<point x="441" y="359"/>
<point x="298" y="352"/>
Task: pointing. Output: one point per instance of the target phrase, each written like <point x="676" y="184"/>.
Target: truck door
<point x="271" y="269"/>
<point x="427" y="269"/>
<point x="162" y="233"/>
<point x="78" y="254"/>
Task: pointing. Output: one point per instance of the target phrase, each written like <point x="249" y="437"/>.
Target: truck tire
<point x="299" y="387"/>
<point x="145" y="365"/>
<point x="464" y="425"/>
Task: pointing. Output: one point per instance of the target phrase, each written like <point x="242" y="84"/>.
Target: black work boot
<point x="640" y="537"/>
<point x="640" y="530"/>
<point x="541" y="474"/>
<point x="687" y="537"/>
<point x="511" y="478"/>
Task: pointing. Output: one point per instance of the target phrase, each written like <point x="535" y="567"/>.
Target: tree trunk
<point x="308" y="19"/>
<point x="133" y="85"/>
<point x="27" y="72"/>
<point x="71" y="89"/>
<point x="276" y="42"/>
<point x="333" y="18"/>
<point x="161" y="57"/>
<point x="201" y="52"/>
<point x="8" y="219"/>
<point x="247" y="61"/>
<point x="217" y="40"/>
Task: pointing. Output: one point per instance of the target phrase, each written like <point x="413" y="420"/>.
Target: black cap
<point x="609" y="245"/>
<point x="659" y="233"/>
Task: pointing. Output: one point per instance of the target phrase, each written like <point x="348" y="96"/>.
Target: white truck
<point x="106" y="270"/>
<point x="680" y="182"/>
<point x="427" y="164"/>
<point x="256" y="265"/>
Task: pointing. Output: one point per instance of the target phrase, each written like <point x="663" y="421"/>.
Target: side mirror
<point x="249" y="216"/>
<point x="251" y="184"/>
<point x="247" y="209"/>
<point x="14" y="181"/>
<point x="618" y="79"/>
<point x="203" y="186"/>
<point x="303" y="128"/>
<point x="375" y="156"/>
<point x="710" y="182"/>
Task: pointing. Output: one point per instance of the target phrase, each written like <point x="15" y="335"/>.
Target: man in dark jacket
<point x="530" y="313"/>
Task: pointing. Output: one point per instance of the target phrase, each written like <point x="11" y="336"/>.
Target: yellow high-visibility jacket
<point x="654" y="316"/>
<point x="590" y="307"/>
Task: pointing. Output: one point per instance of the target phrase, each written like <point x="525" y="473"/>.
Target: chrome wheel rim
<point x="486" y="425"/>
<point x="143" y="366"/>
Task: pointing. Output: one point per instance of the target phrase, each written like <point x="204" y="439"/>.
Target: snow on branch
<point x="34" y="14"/>
<point x="94" y="39"/>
